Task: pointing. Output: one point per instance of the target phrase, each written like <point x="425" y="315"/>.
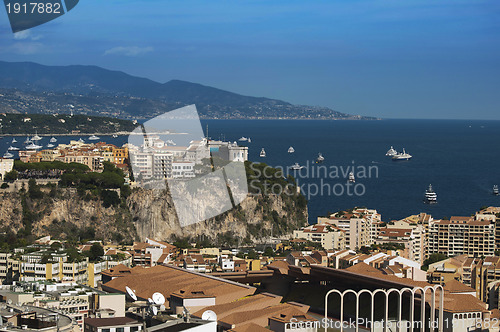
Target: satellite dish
<point x="209" y="315"/>
<point x="155" y="310"/>
<point x="131" y="293"/>
<point x="158" y="298"/>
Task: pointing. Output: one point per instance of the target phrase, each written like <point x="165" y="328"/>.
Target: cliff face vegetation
<point x="122" y="216"/>
<point x="255" y="219"/>
<point x="63" y="213"/>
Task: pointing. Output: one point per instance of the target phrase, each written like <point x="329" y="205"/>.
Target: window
<point x="120" y="329"/>
<point x="105" y="330"/>
<point x="134" y="329"/>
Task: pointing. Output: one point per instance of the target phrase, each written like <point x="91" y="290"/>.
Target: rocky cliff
<point x="256" y="218"/>
<point x="64" y="213"/>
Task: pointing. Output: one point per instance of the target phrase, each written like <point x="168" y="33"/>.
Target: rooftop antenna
<point x="187" y="314"/>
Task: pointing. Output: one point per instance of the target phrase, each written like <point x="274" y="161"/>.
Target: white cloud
<point x="25" y="35"/>
<point x="128" y="50"/>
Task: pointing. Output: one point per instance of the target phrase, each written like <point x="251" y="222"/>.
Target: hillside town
<point x="55" y="285"/>
<point x="94" y="285"/>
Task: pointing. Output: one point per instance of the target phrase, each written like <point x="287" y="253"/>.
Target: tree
<point x="34" y="191"/>
<point x="252" y="254"/>
<point x="433" y="259"/>
<point x="95" y="252"/>
<point x="11" y="176"/>
<point x="269" y="252"/>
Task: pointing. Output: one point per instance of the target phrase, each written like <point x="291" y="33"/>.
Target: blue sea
<point x="460" y="158"/>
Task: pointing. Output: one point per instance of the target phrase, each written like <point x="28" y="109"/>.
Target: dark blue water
<point x="461" y="159"/>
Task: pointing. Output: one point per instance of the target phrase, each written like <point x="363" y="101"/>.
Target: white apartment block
<point x="329" y="236"/>
<point x="462" y="235"/>
<point x="6" y="165"/>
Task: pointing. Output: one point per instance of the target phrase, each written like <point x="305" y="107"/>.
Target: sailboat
<point x="13" y="148"/>
<point x="495" y="190"/>
<point x="53" y="140"/>
<point x="8" y="155"/>
<point x="36" y="137"/>
<point x="291" y="149"/>
<point x="14" y="140"/>
<point x="320" y="158"/>
<point x="262" y="153"/>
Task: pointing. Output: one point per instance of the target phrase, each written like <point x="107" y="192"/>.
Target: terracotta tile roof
<point x="287" y="315"/>
<point x="495" y="314"/>
<point x="249" y="303"/>
<point x="261" y="316"/>
<point x="462" y="303"/>
<point x="281" y="266"/>
<point x="118" y="271"/>
<point x="454" y="286"/>
<point x="250" y="327"/>
<point x="169" y="279"/>
<point x="363" y="268"/>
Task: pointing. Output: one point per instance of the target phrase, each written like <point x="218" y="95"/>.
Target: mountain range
<point x="34" y="88"/>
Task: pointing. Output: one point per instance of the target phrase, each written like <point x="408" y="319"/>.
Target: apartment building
<point x="412" y="237"/>
<point x="6" y="166"/>
<point x="360" y="226"/>
<point x="329" y="236"/>
<point x="462" y="235"/>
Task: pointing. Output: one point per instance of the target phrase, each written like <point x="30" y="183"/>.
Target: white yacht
<point x="430" y="196"/>
<point x="53" y="140"/>
<point x="33" y="146"/>
<point x="93" y="138"/>
<point x="320" y="158"/>
<point x="352" y="179"/>
<point x="296" y="167"/>
<point x="36" y="138"/>
<point x="391" y="152"/>
<point x="115" y="135"/>
<point x="27" y="141"/>
<point x="402" y="156"/>
<point x="262" y="153"/>
<point x="243" y="139"/>
<point x="13" y="148"/>
<point x="14" y="141"/>
<point x="8" y="155"/>
<point x="495" y="190"/>
<point x="50" y="145"/>
<point x="291" y="149"/>
<point x="81" y="140"/>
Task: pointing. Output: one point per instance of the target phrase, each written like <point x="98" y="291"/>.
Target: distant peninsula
<point x="27" y="87"/>
<point x="61" y="124"/>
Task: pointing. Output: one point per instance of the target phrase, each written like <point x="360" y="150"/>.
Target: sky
<point x="391" y="58"/>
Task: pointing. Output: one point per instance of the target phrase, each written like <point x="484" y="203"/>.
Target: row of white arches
<point x="400" y="292"/>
